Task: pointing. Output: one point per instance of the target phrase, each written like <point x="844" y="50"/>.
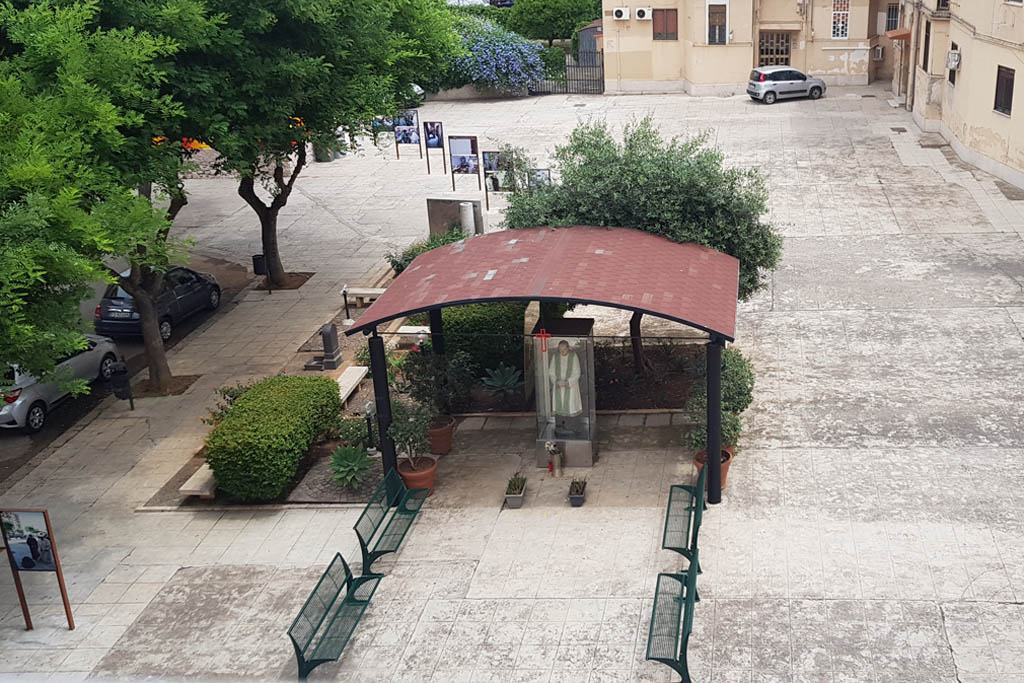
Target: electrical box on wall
<point x="620" y="13"/>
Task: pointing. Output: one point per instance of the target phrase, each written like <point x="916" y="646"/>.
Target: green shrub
<point x="400" y="261"/>
<point x="499" y="15"/>
<point x="393" y="360"/>
<point x="697" y="437"/>
<point x="491" y="333"/>
<point x="554" y="63"/>
<point x="737" y="381"/>
<point x="228" y="396"/>
<point x="255" y="449"/>
<point x="350" y="465"/>
<point x="351" y="431"/>
<point x="442" y="384"/>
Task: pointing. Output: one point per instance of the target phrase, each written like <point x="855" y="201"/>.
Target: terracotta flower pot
<point x="420" y="478"/>
<point x="441" y="433"/>
<point x="702" y="457"/>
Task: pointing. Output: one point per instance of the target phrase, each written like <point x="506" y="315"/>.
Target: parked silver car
<point x="770" y="83"/>
<point x="25" y="402"/>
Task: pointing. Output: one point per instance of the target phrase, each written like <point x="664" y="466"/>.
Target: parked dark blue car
<point x="184" y="292"/>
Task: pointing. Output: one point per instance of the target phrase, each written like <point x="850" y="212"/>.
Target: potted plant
<point x="515" y="491"/>
<point x="441" y="382"/>
<point x="696" y="438"/>
<point x="410" y="423"/>
<point x="577" y="491"/>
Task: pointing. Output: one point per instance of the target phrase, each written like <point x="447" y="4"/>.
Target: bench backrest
<point x="380" y="502"/>
<point x="698" y="510"/>
<point x="334" y="582"/>
<point x="690" y="599"/>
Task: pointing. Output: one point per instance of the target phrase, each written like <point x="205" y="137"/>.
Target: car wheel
<point x="769" y="98"/>
<point x="107" y="366"/>
<point x="815" y="93"/>
<point x="166" y="328"/>
<point x="36" y="417"/>
<point x="213" y="302"/>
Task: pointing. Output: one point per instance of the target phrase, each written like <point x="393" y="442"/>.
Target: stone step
<point x="200" y="484"/>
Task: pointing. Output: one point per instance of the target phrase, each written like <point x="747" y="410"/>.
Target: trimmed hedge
<point x="255" y="449"/>
<point x="401" y="260"/>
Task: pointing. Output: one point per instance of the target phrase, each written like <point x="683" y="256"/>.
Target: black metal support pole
<point x="382" y="396"/>
<point x="436" y="331"/>
<point x="714" y="449"/>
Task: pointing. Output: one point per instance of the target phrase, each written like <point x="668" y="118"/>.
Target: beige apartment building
<point x="707" y="47"/>
<point x="956" y="65"/>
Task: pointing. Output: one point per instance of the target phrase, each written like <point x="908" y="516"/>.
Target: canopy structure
<point x="615" y="267"/>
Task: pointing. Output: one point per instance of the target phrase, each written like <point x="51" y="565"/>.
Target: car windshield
<point x="9" y="375"/>
<point x="755" y="75"/>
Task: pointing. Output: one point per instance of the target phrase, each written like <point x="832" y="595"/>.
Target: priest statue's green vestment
<point x="564" y="373"/>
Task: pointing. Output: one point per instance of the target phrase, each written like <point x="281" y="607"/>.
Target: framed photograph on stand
<point x="28" y="539"/>
<point x="433" y="134"/>
<point x="407" y="130"/>
<point x="497" y="177"/>
<point x="465" y="157"/>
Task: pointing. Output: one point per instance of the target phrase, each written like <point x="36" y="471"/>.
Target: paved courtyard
<point x="872" y="529"/>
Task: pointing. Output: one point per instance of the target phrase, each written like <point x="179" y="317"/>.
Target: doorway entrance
<point x="774" y="48"/>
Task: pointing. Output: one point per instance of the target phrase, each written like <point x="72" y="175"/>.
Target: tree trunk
<point x="144" y="285"/>
<point x="268" y="212"/>
<point x="639" y="361"/>
<point x="160" y="375"/>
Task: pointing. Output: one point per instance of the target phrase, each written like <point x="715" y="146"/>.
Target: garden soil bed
<point x="666" y="384"/>
<point x="313" y="484"/>
<point x="179" y="385"/>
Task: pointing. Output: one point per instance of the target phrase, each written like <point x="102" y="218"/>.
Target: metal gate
<point x="583" y="76"/>
<point x="773" y="48"/>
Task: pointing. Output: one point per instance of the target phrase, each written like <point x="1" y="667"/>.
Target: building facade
<point x="707" y="47"/>
<point x="956" y="65"/>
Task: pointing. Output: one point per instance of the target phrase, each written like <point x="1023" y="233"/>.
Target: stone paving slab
<point x="873" y="524"/>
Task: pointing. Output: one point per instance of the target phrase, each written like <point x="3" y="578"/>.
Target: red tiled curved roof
<point x="616" y="267"/>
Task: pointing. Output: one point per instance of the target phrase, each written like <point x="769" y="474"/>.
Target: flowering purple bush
<point x="495" y="58"/>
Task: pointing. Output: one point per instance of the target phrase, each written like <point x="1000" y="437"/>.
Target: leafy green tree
<point x="74" y="101"/>
<point x="551" y="19"/>
<point x="679" y="189"/>
<point x="281" y="75"/>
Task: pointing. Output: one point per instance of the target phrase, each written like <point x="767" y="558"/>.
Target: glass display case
<point x="563" y="367"/>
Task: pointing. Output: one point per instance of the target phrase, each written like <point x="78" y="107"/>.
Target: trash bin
<point x="259" y="264"/>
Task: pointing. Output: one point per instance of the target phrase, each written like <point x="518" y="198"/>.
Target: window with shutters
<point x="1004" y="90"/>
<point x="892" y="17"/>
<point x="841" y="19"/>
<point x="666" y="22"/>
<point x="716" y="25"/>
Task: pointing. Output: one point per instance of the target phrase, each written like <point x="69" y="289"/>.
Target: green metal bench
<point x="672" y="619"/>
<point x="329" y="616"/>
<point x="407" y="504"/>
<point x="683" y="518"/>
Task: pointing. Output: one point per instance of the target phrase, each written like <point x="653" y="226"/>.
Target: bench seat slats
<point x="408" y="504"/>
<point x="343" y="623"/>
<point x="666" y="617"/>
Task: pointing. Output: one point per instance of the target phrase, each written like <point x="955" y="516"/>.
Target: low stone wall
<point x="469" y="92"/>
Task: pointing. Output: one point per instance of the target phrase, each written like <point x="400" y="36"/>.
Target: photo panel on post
<point x="408" y="117"/>
<point x="433" y="132"/>
<point x="28" y="540"/>
<point x="496" y="173"/>
<point x="383" y="124"/>
<point x="538" y="177"/>
<point x="407" y="135"/>
<point x="463" y="152"/>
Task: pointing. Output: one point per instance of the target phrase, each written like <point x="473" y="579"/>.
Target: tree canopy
<point x="74" y="101"/>
<point x="551" y="19"/>
<point x="680" y="189"/>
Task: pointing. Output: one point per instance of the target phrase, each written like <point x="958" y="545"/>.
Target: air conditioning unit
<point x="620" y="13"/>
<point x="953" y="60"/>
<point x="879" y="53"/>
<point x="644" y="13"/>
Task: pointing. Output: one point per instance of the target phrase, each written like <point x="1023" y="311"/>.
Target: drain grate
<point x="869" y="97"/>
<point x="579" y="105"/>
<point x="898" y="129"/>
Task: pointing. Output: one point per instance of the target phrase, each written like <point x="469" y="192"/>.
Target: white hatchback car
<point x="25" y="402"/>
